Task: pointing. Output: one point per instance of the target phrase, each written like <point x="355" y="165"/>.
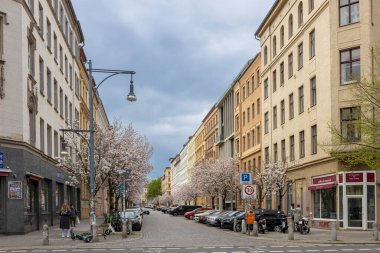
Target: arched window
<point x="282" y="35"/>
<point x="274" y="46"/>
<point x="300" y="14"/>
<point x="265" y="55"/>
<point x="290" y="26"/>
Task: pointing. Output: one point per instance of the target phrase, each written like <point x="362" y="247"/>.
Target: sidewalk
<point x="322" y="236"/>
<point x="33" y="240"/>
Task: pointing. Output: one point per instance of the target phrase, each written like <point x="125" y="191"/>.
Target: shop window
<point x="44" y="196"/>
<point x="269" y="201"/>
<point x="340" y="206"/>
<point x="371" y="208"/>
<point x="354" y="190"/>
<point x="324" y="203"/>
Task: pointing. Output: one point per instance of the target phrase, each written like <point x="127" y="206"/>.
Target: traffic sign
<point x="245" y="178"/>
<point x="248" y="191"/>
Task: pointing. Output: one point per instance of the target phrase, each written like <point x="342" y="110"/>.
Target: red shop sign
<point x="354" y="177"/>
<point x="323" y="180"/>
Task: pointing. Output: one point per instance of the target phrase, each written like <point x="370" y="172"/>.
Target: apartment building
<point x="210" y="123"/>
<point x="247" y="115"/>
<point x="166" y="182"/>
<point x="39" y="63"/>
<point x="313" y="53"/>
<point x="199" y="144"/>
<point x="174" y="168"/>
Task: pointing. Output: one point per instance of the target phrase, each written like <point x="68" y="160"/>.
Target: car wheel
<point x="238" y="227"/>
<point x="277" y="228"/>
<point x="175" y="214"/>
<point x="191" y="217"/>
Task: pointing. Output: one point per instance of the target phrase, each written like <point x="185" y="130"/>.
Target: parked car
<point x="214" y="220"/>
<point x="181" y="210"/>
<point x="137" y="211"/>
<point x="134" y="217"/>
<point x="228" y="221"/>
<point x="190" y="214"/>
<point x="239" y="218"/>
<point x="273" y="219"/>
<point x="203" y="214"/>
<point x="145" y="211"/>
<point x="163" y="208"/>
<point x="203" y="218"/>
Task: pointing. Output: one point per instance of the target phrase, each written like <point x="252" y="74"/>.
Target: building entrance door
<point x="355" y="212"/>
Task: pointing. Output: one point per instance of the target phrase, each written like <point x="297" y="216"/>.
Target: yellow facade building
<point x="313" y="53"/>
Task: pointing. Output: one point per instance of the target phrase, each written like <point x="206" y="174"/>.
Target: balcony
<point x="219" y="139"/>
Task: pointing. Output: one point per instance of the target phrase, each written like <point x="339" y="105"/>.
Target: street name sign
<point x="248" y="191"/>
<point x="245" y="178"/>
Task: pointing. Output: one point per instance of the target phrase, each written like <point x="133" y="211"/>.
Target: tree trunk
<point x="212" y="202"/>
<point x="220" y="202"/>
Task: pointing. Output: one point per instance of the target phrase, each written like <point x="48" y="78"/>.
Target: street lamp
<point x="130" y="97"/>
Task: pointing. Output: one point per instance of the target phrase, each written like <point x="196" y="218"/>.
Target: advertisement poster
<point x="15" y="190"/>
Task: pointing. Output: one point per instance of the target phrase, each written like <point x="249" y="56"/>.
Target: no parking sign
<point x="249" y="191"/>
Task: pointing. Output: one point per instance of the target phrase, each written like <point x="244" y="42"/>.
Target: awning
<point x="321" y="186"/>
<point x="33" y="176"/>
<point x="4" y="172"/>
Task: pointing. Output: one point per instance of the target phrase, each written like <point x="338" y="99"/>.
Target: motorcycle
<point x="284" y="224"/>
<point x="262" y="225"/>
<point x="302" y="226"/>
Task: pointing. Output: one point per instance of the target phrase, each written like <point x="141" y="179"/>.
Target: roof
<point x="267" y="16"/>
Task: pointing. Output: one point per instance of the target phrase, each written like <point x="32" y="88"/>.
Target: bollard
<point x="45" y="234"/>
<point x="124" y="229"/>
<point x="375" y="232"/>
<point x="234" y="226"/>
<point x="243" y="227"/>
<point x="255" y="231"/>
<point x="290" y="229"/>
<point x="248" y="229"/>
<point x="334" y="235"/>
<point x="95" y="235"/>
<point x="129" y="227"/>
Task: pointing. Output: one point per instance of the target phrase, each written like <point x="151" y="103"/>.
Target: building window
<point x="314" y="147"/>
<point x="258" y="135"/>
<point x="290" y="22"/>
<point x="275" y="154"/>
<point x="31" y="50"/>
<point x="55" y="95"/>
<point x="42" y="73"/>
<point x="31" y="6"/>
<point x="282" y="112"/>
<point x="248" y="114"/>
<point x="291" y="143"/>
<point x="349" y="12"/>
<point x="71" y="76"/>
<point x="291" y="106"/>
<point x="66" y="110"/>
<point x="243" y="118"/>
<point x="66" y="69"/>
<point x="42" y="135"/>
<point x="274" y="46"/>
<point x="300" y="14"/>
<point x="70" y="113"/>
<point x="61" y="102"/>
<point x="349" y="66"/>
<point x="258" y="77"/>
<point x="48" y="33"/>
<point x="44" y="196"/>
<point x="324" y="203"/>
<point x="266" y="155"/>
<point x="56" y="7"/>
<point x="41" y="19"/>
<point x="282" y="73"/>
<point x="283" y="151"/>
<point x="274" y="117"/>
<point x="274" y="82"/>
<point x="243" y="143"/>
<point x="266" y="122"/>
<point x="55" y="46"/>
<point x="253" y="110"/>
<point x="244" y="95"/>
<point x="258" y="105"/>
<point x="312" y="44"/>
<point x="300" y="56"/>
<point x="302" y="144"/>
<point x="265" y="55"/>
<point x="237" y="122"/>
<point x="300" y="100"/>
<point x="266" y="88"/>
<point x="248" y="141"/>
<point x="253" y="83"/>
<point x="311" y="5"/>
<point x="350" y="127"/>
<point x="282" y="35"/>
<point x="76" y="85"/>
<point x="313" y="91"/>
<point x="248" y="91"/>
<point x="290" y="65"/>
<point x="61" y="58"/>
<point x="253" y="137"/>
<point x="32" y="125"/>
<point x="49" y="140"/>
<point x="48" y="84"/>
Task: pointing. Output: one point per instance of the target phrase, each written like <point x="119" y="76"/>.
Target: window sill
<point x="42" y="93"/>
<point x="55" y="109"/>
<point x="49" y="102"/>
<point x="55" y="59"/>
<point x="49" y="49"/>
<point x="349" y="83"/>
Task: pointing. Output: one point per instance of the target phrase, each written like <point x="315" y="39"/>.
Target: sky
<point x="185" y="53"/>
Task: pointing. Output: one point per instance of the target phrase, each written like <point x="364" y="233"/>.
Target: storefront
<point x="357" y="200"/>
<point x="352" y="195"/>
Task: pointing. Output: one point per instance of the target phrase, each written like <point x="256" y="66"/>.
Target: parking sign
<point x="245" y="178"/>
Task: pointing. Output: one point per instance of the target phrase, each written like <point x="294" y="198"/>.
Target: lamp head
<point x="64" y="148"/>
<point x="131" y="97"/>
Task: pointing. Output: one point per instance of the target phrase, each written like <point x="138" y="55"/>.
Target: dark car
<point x="164" y="209"/>
<point x="181" y="210"/>
<point x="273" y="219"/>
<point x="145" y="210"/>
<point x="134" y="217"/>
<point x="228" y="221"/>
<point x="239" y="218"/>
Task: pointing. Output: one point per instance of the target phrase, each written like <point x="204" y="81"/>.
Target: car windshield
<point x="127" y="215"/>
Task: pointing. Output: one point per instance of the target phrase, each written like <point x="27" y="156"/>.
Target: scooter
<point x="86" y="236"/>
<point x="262" y="225"/>
<point x="284" y="224"/>
<point x="302" y="226"/>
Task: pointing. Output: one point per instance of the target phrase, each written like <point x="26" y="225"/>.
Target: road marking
<point x="219" y="252"/>
<point x="293" y="246"/>
<point x="79" y="250"/>
<point x="330" y="250"/>
<point x="173" y="248"/>
<point x="312" y="250"/>
<point x="136" y="249"/>
<point x="117" y="249"/>
<point x="42" y="250"/>
<point x="294" y="250"/>
<point x="238" y="252"/>
<point x="364" y="249"/>
<point x="209" y="247"/>
<point x="200" y="252"/>
<point x="276" y="251"/>
<point x="59" y="250"/>
<point x="226" y="247"/>
<point x="276" y="246"/>
<point x="192" y="248"/>
<point x="346" y="249"/>
<point x="18" y="251"/>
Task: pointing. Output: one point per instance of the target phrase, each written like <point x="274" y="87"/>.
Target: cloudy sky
<point x="185" y="52"/>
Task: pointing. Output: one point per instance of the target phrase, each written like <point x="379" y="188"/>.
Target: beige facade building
<point x="210" y="124"/>
<point x="247" y="115"/>
<point x="166" y="182"/>
<point x="199" y="144"/>
<point x="313" y="53"/>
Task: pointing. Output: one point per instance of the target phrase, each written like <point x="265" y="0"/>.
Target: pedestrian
<point x="64" y="223"/>
<point x="292" y="211"/>
<point x="298" y="213"/>
<point x="73" y="216"/>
